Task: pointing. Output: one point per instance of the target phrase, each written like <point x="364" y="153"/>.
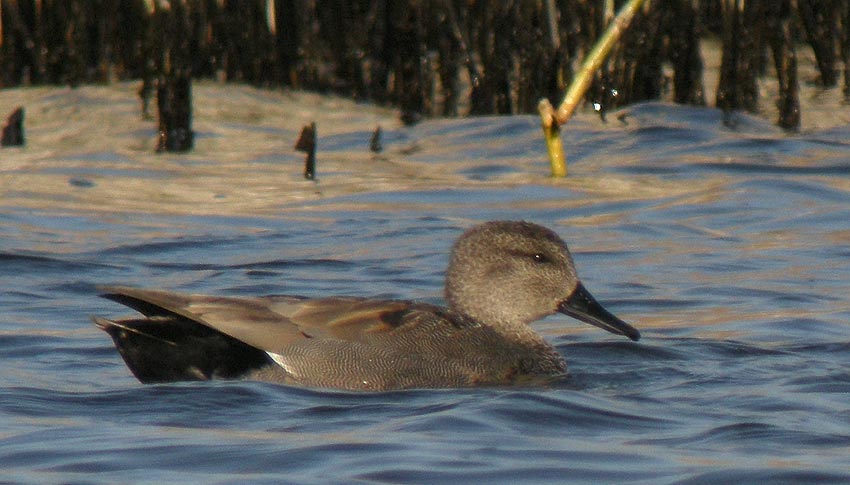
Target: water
<point x="727" y="247"/>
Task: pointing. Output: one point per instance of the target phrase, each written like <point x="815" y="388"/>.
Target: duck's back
<point x="347" y="343"/>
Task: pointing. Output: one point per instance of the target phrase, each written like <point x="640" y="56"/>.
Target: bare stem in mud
<point x="552" y="119"/>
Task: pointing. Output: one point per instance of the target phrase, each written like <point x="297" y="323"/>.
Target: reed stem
<point x="552" y="119"/>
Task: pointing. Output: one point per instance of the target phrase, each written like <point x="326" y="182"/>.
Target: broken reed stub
<point x="307" y="143"/>
<point x="145" y="95"/>
<point x="375" y="145"/>
<point x="13" y="131"/>
<point x="552" y="136"/>
<point x="174" y="100"/>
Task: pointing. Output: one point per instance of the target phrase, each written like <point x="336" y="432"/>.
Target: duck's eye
<point x="540" y="258"/>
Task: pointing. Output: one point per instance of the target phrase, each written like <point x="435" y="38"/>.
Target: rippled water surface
<point x="728" y="245"/>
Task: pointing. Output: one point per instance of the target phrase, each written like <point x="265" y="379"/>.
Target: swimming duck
<point x="502" y="276"/>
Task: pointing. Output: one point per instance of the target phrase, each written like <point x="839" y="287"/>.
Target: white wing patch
<point x="282" y="361"/>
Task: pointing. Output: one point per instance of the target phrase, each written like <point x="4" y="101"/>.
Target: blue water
<point x="728" y="247"/>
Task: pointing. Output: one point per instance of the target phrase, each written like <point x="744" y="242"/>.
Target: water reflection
<point x="727" y="248"/>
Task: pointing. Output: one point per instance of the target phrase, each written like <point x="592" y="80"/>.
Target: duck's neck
<point x="543" y="357"/>
<point x="540" y="356"/>
<point x="513" y="330"/>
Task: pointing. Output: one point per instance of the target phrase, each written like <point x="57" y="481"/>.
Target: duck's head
<point x="507" y="273"/>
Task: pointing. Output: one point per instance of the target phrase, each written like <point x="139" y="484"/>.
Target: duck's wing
<point x="354" y="319"/>
<point x="275" y="323"/>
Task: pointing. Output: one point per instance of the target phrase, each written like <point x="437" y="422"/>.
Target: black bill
<point x="582" y="306"/>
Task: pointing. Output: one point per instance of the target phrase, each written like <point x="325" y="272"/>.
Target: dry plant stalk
<point x="550" y="118"/>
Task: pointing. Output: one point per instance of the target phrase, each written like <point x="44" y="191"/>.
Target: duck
<point x="501" y="277"/>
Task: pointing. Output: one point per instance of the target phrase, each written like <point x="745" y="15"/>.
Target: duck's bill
<point x="582" y="306"/>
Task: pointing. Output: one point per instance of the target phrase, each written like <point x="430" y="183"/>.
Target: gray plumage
<point x="501" y="277"/>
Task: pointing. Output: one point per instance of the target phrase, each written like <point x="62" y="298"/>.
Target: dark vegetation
<point x="428" y="57"/>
